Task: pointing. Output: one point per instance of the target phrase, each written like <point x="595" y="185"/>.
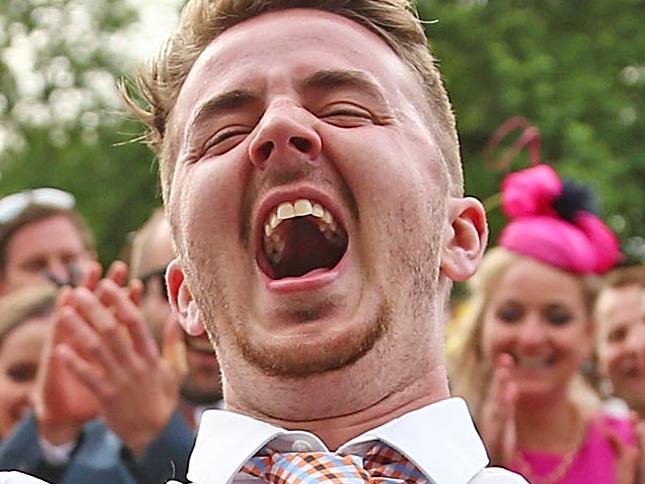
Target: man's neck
<point x="335" y="430"/>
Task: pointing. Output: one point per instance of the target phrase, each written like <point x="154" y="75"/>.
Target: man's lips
<point x="310" y="282"/>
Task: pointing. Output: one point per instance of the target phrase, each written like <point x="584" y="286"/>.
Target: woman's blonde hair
<point x="470" y="371"/>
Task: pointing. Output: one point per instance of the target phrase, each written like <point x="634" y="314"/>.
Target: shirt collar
<point x="440" y="439"/>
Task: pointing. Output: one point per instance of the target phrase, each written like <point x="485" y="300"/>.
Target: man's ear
<point x="465" y="239"/>
<point x="181" y="300"/>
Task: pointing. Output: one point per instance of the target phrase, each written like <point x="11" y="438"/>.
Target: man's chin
<point x="310" y="358"/>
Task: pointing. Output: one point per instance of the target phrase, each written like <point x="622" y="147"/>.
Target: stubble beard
<point x="301" y="362"/>
<point x="295" y="361"/>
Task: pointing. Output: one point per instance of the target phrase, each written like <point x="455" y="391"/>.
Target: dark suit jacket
<point x="99" y="456"/>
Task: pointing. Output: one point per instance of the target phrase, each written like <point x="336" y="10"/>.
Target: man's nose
<point x="59" y="270"/>
<point x="285" y="132"/>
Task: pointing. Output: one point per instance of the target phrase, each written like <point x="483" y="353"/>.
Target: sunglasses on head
<point x="12" y="206"/>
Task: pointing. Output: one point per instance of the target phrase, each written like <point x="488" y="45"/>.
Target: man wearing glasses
<point x="151" y="252"/>
<point x="310" y="169"/>
<point x="61" y="439"/>
<point x="42" y="237"/>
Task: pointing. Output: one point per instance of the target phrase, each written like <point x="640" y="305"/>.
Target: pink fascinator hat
<point x="553" y="221"/>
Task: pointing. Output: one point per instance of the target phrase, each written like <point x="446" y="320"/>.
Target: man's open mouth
<point x="300" y="237"/>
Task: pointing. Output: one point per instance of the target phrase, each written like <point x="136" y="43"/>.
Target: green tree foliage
<point x="62" y="123"/>
<point x="576" y="70"/>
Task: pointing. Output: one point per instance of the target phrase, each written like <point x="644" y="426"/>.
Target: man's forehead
<point x="60" y="225"/>
<point x="45" y="223"/>
<point x="616" y="305"/>
<point x="325" y="36"/>
<point x="287" y="24"/>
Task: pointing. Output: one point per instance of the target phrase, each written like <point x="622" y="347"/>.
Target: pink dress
<point x="595" y="461"/>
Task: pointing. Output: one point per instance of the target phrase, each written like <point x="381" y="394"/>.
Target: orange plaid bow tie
<point x="381" y="465"/>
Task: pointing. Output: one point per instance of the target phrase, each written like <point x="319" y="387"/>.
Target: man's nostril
<point x="303" y="145"/>
<point x="266" y="149"/>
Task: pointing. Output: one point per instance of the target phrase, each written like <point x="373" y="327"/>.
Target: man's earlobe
<point x="465" y="240"/>
<point x="181" y="300"/>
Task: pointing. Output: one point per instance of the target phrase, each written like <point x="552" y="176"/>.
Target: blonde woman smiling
<point x="531" y="330"/>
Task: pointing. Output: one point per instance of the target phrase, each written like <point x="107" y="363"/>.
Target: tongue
<point x="306" y="249"/>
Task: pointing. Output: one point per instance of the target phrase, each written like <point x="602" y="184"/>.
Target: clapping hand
<point x="497" y="424"/>
<point x="629" y="455"/>
<point x="114" y="355"/>
<point x="62" y="404"/>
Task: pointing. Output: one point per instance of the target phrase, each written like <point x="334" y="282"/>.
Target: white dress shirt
<point x="15" y="477"/>
<point x="439" y="439"/>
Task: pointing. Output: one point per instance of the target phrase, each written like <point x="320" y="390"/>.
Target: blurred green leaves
<point x="576" y="70"/>
<point x="62" y="123"/>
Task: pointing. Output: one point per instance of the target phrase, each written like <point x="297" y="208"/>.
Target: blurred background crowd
<point x="546" y="344"/>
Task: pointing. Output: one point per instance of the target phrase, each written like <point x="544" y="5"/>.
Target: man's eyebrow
<point x="332" y="79"/>
<point x="221" y="103"/>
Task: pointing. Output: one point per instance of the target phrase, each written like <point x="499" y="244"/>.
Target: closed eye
<point x="225" y="140"/>
<point x="346" y="116"/>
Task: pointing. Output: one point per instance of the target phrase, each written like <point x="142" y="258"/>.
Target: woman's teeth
<point x="533" y="363"/>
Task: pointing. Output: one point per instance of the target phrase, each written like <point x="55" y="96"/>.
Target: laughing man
<point x="311" y="175"/>
<point x="312" y="178"/>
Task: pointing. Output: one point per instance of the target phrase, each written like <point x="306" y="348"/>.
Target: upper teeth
<point x="274" y="244"/>
<point x="299" y="208"/>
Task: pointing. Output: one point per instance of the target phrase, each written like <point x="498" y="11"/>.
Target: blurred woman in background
<point x="25" y="315"/>
<point x="529" y="332"/>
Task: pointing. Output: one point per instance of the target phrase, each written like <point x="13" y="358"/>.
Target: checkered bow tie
<point x="381" y="465"/>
